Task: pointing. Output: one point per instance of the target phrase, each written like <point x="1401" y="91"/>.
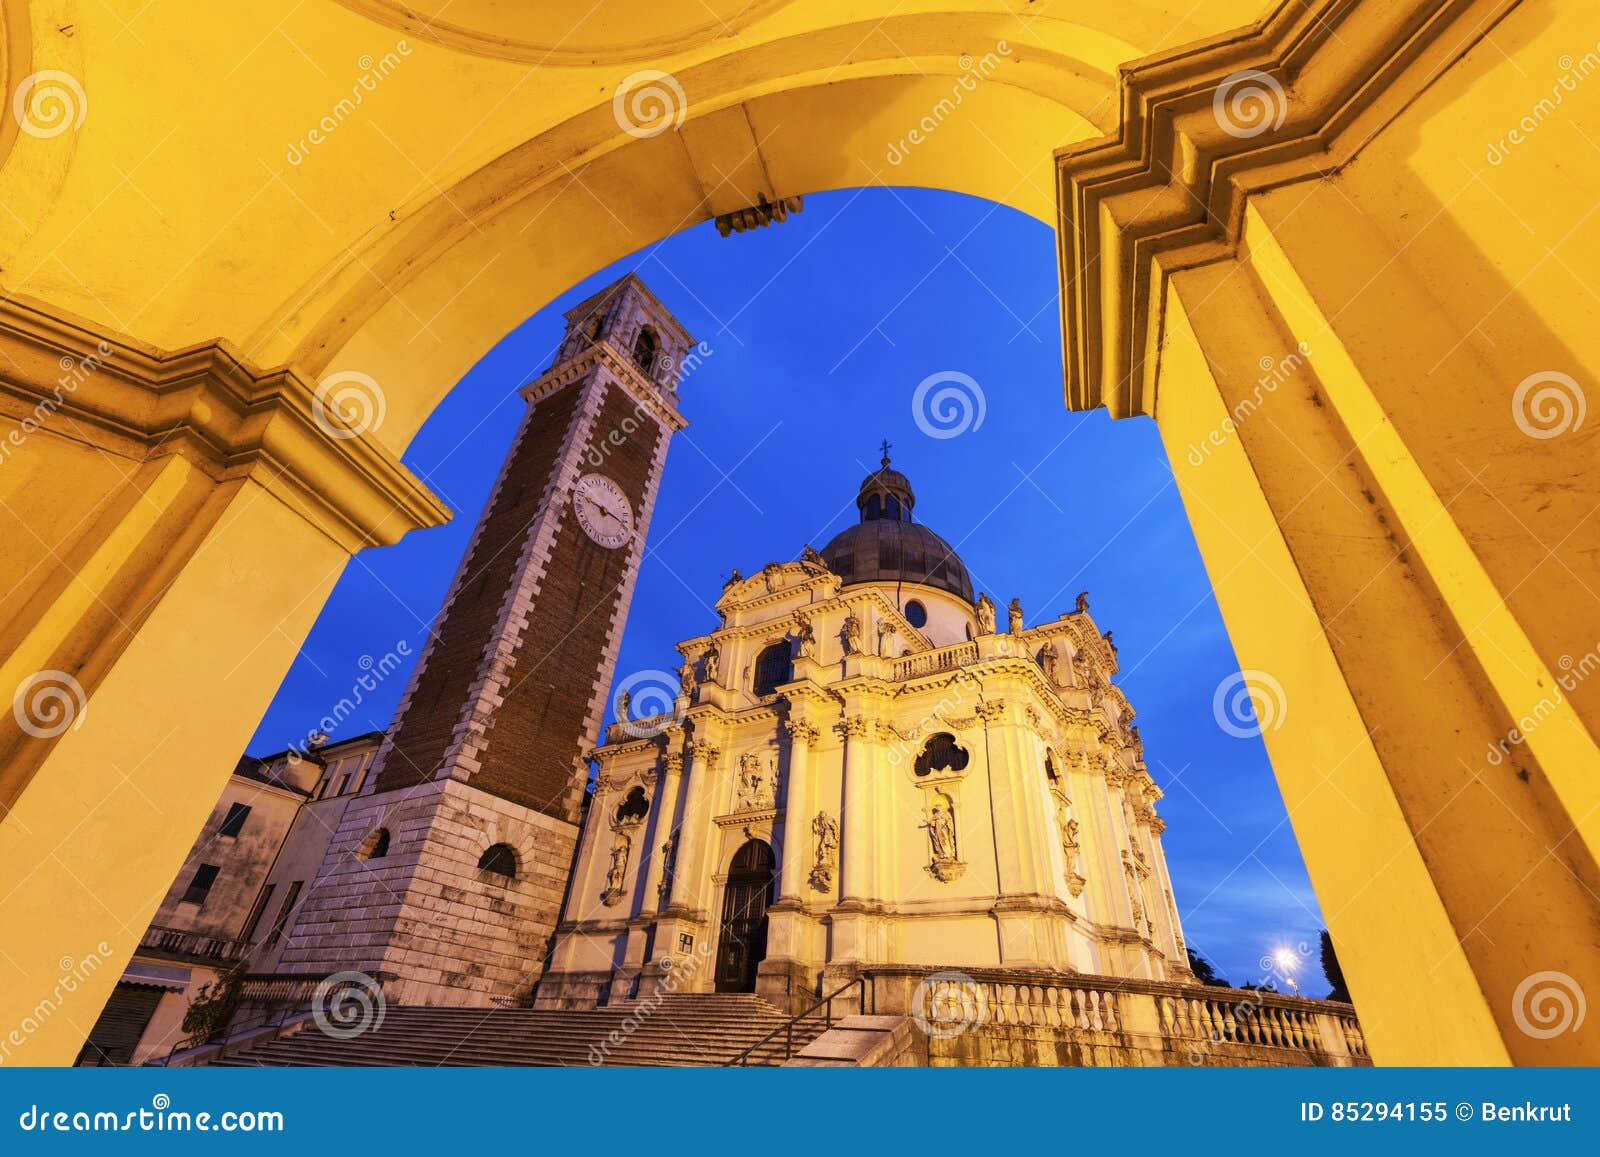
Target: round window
<point x="916" y="614"/>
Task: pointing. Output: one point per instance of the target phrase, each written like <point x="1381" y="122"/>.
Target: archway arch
<point x="1190" y="252"/>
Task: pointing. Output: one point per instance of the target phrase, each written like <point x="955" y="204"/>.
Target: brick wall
<point x="533" y="751"/>
<point x="449" y="669"/>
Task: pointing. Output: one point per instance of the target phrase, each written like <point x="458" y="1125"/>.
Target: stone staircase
<point x="680" y="1029"/>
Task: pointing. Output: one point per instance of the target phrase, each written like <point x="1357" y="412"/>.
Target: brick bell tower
<point x="447" y="872"/>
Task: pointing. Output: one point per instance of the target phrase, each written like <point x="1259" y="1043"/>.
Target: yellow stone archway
<point x="211" y="213"/>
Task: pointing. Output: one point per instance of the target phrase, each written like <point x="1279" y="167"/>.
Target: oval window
<point x="916" y="614"/>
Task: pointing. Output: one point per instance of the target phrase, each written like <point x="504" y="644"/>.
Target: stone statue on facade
<point x="713" y="664"/>
<point x="946" y="864"/>
<point x="985" y="615"/>
<point x="669" y="864"/>
<point x="617" y="873"/>
<point x="755" y="787"/>
<point x="686" y="678"/>
<point x="1048" y="658"/>
<point x="888" y="634"/>
<point x="807" y="640"/>
<point x="852" y="634"/>
<point x="1083" y="602"/>
<point x="810" y="557"/>
<point x="826" y="830"/>
<point x="1014" y="616"/>
<point x="624" y="705"/>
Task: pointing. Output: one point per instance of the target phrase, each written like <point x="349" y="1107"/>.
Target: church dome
<point x="885" y="546"/>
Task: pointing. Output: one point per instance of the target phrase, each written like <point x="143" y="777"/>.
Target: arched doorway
<point x="742" y="941"/>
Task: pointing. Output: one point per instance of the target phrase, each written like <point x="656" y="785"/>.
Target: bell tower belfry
<point x="484" y="767"/>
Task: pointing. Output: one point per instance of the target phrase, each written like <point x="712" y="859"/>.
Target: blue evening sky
<point x="820" y="329"/>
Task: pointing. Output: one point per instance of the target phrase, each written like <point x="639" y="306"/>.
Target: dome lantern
<point x="885" y="545"/>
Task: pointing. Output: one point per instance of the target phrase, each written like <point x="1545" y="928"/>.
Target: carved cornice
<point x="1328" y="74"/>
<point x="72" y="380"/>
<point x="651" y="396"/>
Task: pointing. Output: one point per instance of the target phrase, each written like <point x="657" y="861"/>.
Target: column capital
<point x="800" y="731"/>
<point x="312" y="445"/>
<point x="705" y="752"/>
<point x="1293" y="98"/>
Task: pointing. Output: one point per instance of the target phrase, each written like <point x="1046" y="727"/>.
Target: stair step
<point x="676" y="1029"/>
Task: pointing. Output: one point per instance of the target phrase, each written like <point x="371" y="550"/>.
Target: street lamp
<point x="1287" y="961"/>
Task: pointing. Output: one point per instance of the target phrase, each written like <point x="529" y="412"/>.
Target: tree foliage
<point x="1331" y="969"/>
<point x="1204" y="971"/>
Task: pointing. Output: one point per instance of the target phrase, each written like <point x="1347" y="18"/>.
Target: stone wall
<point x="425" y="914"/>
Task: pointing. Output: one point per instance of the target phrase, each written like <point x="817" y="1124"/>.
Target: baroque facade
<point x="866" y="765"/>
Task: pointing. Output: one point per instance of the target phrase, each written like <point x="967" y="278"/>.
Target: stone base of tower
<point x="423" y="915"/>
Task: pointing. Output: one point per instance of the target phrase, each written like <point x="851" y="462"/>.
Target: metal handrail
<point x="787" y="1028"/>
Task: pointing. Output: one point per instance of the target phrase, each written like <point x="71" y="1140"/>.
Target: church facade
<point x="869" y="764"/>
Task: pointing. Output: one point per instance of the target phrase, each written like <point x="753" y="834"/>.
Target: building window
<point x="282" y="919"/>
<point x="916" y="614"/>
<point x="874" y="507"/>
<point x="644" y="351"/>
<point x="344" y="782"/>
<point x="1050" y="768"/>
<point x="774" y="668"/>
<point x="204" y="876"/>
<point x="941" y="753"/>
<point x="375" y="846"/>
<point x="500" y="860"/>
<point x="893" y="508"/>
<point x="256" y="910"/>
<point x="634" y="806"/>
<point x="234" y="823"/>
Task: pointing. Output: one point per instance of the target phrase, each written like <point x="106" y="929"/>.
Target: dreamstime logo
<point x="1573" y="672"/>
<point x="647" y="702"/>
<point x="972" y="72"/>
<point x="347" y="404"/>
<point x="374" y="673"/>
<point x="1248" y="703"/>
<point x="47" y="703"/>
<point x="1573" y="73"/>
<point x="373" y="72"/>
<point x="1274" y="372"/>
<point x="348" y="1004"/>
<point x="75" y="973"/>
<point x="1548" y="1004"/>
<point x="1249" y="103"/>
<point x="947" y="1004"/>
<point x="648" y="103"/>
<point x="1548" y="404"/>
<point x="948" y="404"/>
<point x="49" y="103"/>
<point x="675" y="971"/>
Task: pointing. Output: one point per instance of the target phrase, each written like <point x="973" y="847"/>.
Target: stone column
<point x="173" y="523"/>
<point x="855" y="860"/>
<point x="1371" y="378"/>
<point x="666" y="816"/>
<point x="688" y="886"/>
<point x="797" y="811"/>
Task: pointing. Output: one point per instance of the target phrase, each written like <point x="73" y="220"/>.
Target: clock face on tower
<point x="603" y="510"/>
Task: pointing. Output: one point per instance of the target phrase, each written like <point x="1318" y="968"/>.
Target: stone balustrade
<point x="184" y="944"/>
<point x="1024" y="1017"/>
<point x="934" y="661"/>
